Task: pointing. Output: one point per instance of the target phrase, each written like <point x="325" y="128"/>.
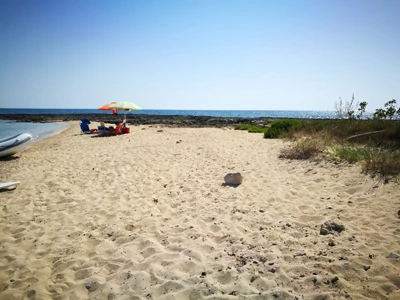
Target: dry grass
<point x="378" y="153"/>
<point x="384" y="162"/>
<point x="303" y="148"/>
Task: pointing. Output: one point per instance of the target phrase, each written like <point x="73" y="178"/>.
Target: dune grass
<point x="375" y="144"/>
<point x="303" y="148"/>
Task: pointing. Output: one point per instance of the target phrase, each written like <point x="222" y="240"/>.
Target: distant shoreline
<point x="169" y="120"/>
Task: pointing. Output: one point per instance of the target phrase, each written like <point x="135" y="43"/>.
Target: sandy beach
<point x="146" y="215"/>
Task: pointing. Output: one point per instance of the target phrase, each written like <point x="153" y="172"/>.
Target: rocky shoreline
<point x="167" y="120"/>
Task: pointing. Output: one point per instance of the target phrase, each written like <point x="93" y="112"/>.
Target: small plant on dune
<point x="251" y="128"/>
<point x="384" y="162"/>
<point x="303" y="148"/>
<point x="351" y="154"/>
<point x="281" y="128"/>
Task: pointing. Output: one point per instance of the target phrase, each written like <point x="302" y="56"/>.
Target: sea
<point x="306" y="114"/>
<point x="43" y="130"/>
<point x="38" y="130"/>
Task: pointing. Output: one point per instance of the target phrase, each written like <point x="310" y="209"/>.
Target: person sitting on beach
<point x="112" y="131"/>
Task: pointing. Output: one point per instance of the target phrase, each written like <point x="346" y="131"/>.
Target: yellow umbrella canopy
<point x="126" y="106"/>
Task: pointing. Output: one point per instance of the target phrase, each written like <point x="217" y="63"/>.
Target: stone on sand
<point x="233" y="178"/>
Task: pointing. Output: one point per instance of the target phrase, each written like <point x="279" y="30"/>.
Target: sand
<point x="146" y="216"/>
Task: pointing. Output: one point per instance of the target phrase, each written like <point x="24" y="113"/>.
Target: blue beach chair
<point x="85" y="126"/>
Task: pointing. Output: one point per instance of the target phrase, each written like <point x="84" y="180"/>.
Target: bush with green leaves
<point x="352" y="154"/>
<point x="251" y="128"/>
<point x="280" y="128"/>
<point x="388" y="112"/>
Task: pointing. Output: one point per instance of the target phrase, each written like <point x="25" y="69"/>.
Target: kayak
<point x="15" y="144"/>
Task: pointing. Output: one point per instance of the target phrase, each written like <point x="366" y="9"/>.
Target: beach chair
<point x="85" y="126"/>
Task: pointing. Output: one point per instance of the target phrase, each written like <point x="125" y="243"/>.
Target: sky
<point x="199" y="54"/>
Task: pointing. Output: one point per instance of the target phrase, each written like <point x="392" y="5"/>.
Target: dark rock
<point x="138" y="119"/>
<point x="329" y="226"/>
<point x="233" y="293"/>
<point x="233" y="178"/>
<point x="88" y="286"/>
<point x="299" y="254"/>
<point x="366" y="268"/>
<point x="334" y="279"/>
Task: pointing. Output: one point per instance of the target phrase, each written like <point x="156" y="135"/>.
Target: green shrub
<point x="373" y="160"/>
<point x="341" y="129"/>
<point x="280" y="128"/>
<point x="352" y="154"/>
<point x="251" y="128"/>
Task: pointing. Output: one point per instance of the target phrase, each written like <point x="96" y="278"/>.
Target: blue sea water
<point x="38" y="130"/>
<point x="306" y="114"/>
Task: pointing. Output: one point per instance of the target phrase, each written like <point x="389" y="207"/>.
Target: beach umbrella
<point x="107" y="107"/>
<point x="125" y="106"/>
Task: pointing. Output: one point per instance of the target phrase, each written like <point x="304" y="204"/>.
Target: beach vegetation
<point x="389" y="112"/>
<point x="382" y="161"/>
<point x="280" y="128"/>
<point x="373" y="143"/>
<point x="346" y="109"/>
<point x="352" y="153"/>
<point x="303" y="148"/>
<point x="373" y="160"/>
<point x="251" y="128"/>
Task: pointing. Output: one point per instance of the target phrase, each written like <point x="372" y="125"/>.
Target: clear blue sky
<point x="199" y="54"/>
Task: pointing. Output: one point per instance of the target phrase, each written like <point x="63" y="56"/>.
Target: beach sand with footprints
<point x="147" y="215"/>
